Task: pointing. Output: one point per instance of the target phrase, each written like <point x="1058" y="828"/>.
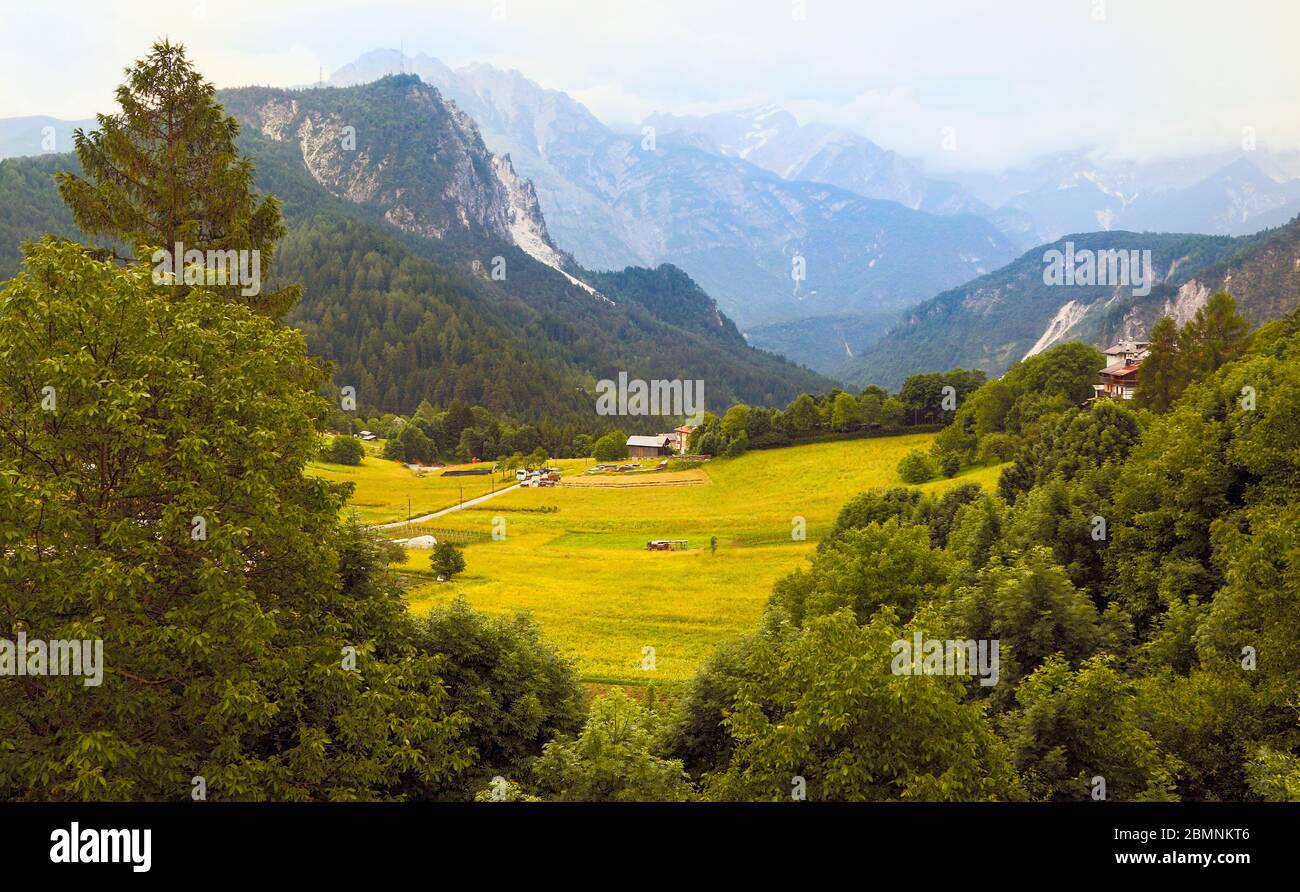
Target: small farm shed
<point x="648" y="447"/>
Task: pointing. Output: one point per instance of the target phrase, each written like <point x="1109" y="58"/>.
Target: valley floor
<point x="574" y="555"/>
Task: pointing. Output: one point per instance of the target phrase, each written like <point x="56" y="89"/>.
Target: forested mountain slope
<point x="396" y="237"/>
<point x="997" y="319"/>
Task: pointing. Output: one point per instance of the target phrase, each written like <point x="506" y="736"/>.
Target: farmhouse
<point x="678" y="437"/>
<point x="1119" y="379"/>
<point x="648" y="447"/>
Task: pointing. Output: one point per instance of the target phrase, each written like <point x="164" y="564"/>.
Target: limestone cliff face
<point x="1189" y="298"/>
<point x="399" y="146"/>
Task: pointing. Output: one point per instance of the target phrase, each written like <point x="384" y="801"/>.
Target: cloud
<point x="1012" y="77"/>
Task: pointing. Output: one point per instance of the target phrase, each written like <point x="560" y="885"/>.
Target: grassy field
<point x="383" y="488"/>
<point x="583" y="571"/>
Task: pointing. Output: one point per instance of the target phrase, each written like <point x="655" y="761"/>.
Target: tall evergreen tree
<point x="165" y="170"/>
<point x="1162" y="377"/>
<point x="1216" y="335"/>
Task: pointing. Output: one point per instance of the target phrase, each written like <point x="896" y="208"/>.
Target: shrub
<point x="447" y="560"/>
<point x="611" y="447"/>
<point x="994" y="449"/>
<point x="917" y="467"/>
<point x="950" y="464"/>
<point x="346" y="450"/>
<point x="738" y="445"/>
<point x="502" y="675"/>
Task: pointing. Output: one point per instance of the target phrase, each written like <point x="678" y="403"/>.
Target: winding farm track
<point x="423" y="517"/>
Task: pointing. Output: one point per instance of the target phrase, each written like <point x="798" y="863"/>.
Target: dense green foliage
<point x="516" y="692"/>
<point x="1005" y="411"/>
<point x="1215" y="335"/>
<point x="463" y="433"/>
<point x="154" y="500"/>
<point x="923" y="400"/>
<point x="1139" y="573"/>
<point x="810" y="708"/>
<point x="612" y="759"/>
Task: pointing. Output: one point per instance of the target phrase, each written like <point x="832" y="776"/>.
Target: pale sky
<point x="1013" y="78"/>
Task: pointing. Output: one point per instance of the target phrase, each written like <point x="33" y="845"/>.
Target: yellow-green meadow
<point x="574" y="555"/>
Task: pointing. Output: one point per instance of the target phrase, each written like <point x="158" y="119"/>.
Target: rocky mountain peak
<point x="397" y="144"/>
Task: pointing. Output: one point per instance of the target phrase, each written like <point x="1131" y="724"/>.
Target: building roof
<point x="1121" y="369"/>
<point x="656" y="442"/>
<point x="1127" y="346"/>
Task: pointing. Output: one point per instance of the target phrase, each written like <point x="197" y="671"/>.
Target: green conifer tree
<point x="1215" y="336"/>
<point x="165" y="170"/>
<point x="1162" y="376"/>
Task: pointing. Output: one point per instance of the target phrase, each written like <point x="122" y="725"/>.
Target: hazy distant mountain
<point x="1237" y="199"/>
<point x="37" y="135"/>
<point x="773" y="139"/>
<point x="823" y="343"/>
<point x="733" y="198"/>
<point x="1225" y="193"/>
<point x="739" y="230"/>
<point x="995" y="319"/>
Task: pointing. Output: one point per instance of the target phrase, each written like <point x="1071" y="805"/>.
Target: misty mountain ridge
<point x="698" y="202"/>
<point x="735" y="227"/>
<point x="738" y="201"/>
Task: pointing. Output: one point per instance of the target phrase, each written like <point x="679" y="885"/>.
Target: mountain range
<point x="1225" y="193"/>
<point x="635" y="247"/>
<point x="733" y="197"/>
<point x="429" y="271"/>
<point x="37" y="135"/>
<point x="766" y="247"/>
